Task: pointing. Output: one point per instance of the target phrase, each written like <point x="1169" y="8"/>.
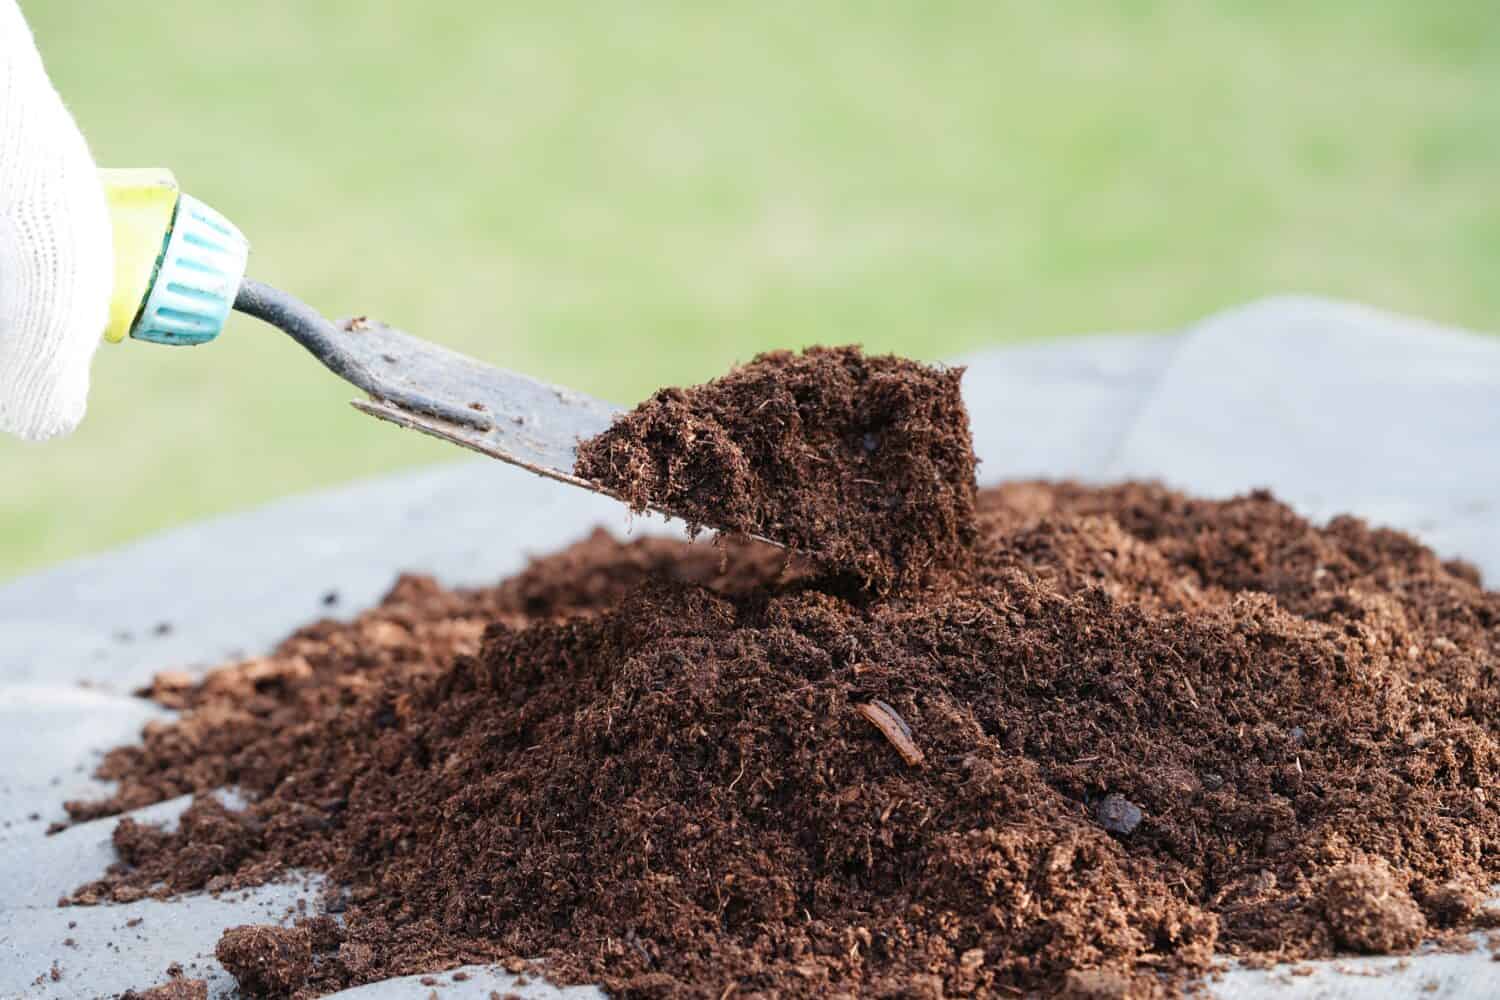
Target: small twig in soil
<point x="894" y="728"/>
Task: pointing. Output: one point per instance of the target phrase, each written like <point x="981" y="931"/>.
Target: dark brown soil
<point x="1136" y="731"/>
<point x="864" y="463"/>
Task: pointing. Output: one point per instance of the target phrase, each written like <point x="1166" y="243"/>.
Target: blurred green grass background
<point x="617" y="196"/>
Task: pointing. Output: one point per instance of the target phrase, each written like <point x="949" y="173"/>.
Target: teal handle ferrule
<point x="200" y="271"/>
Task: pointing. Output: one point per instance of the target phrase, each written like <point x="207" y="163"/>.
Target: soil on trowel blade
<point x="1137" y="730"/>
<point x="864" y="463"/>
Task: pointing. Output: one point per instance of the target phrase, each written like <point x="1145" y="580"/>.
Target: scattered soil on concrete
<point x="1135" y="731"/>
<point x="864" y="463"/>
<point x="176" y="988"/>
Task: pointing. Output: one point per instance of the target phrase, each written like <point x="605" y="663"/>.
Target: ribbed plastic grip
<point x="199" y="275"/>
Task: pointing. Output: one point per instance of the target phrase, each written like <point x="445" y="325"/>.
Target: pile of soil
<point x="1135" y="730"/>
<point x="863" y="463"/>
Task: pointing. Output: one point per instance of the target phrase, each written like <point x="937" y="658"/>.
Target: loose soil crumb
<point x="647" y="766"/>
<point x="1452" y="904"/>
<point x="174" y="989"/>
<point x="865" y="463"/>
<point x="266" y="961"/>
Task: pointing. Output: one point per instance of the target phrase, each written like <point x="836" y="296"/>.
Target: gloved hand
<point x="56" y="257"/>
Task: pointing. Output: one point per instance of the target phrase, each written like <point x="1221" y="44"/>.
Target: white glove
<point x="56" y="255"/>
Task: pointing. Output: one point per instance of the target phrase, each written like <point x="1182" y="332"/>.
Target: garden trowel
<point x="180" y="270"/>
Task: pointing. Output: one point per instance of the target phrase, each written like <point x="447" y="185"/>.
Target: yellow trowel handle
<point x="142" y="205"/>
<point x="178" y="263"/>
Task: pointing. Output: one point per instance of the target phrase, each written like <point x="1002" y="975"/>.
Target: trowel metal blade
<point x="499" y="413"/>
<point x="502" y="414"/>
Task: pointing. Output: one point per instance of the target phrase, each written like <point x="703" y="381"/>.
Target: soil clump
<point x="863" y="463"/>
<point x="266" y="961"/>
<point x="1369" y="910"/>
<point x="1133" y="731"/>
<point x="176" y="988"/>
